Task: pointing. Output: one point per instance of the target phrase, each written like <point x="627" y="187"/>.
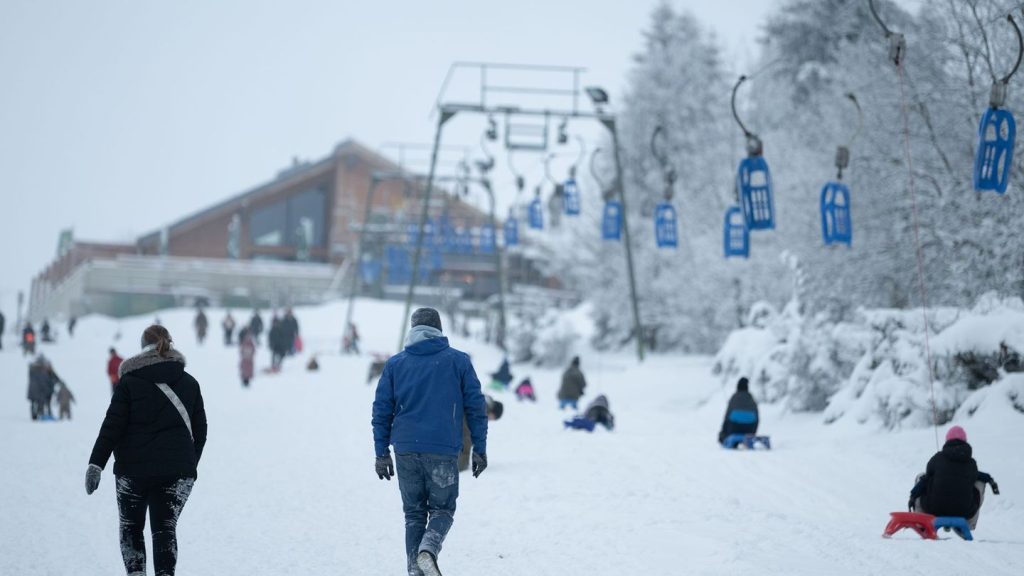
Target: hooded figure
<point x="573" y="384"/>
<point x="952" y="484"/>
<point x="741" y="416"/>
<point x="599" y="413"/>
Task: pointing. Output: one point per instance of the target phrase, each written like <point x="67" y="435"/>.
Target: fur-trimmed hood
<point x="148" y="358"/>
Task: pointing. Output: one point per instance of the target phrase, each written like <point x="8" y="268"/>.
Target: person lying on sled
<point x="741" y="417"/>
<point x="952" y="484"/>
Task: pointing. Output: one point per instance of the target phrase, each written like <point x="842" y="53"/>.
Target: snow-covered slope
<point x="287" y="486"/>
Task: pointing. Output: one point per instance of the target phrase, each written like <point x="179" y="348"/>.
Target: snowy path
<point x="287" y="486"/>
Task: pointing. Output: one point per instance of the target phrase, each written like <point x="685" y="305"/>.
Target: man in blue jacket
<point x="422" y="397"/>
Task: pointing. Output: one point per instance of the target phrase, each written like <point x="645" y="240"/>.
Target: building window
<point x="267" y="225"/>
<point x="299" y="222"/>
<point x="307" y="218"/>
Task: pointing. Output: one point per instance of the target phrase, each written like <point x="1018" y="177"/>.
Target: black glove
<point x="479" y="463"/>
<point x="385" y="467"/>
<point x="995" y="487"/>
<point x="92" y="478"/>
<point x="910" y="505"/>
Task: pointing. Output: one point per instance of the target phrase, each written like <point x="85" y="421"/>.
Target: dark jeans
<point x="429" y="484"/>
<point x="164" y="498"/>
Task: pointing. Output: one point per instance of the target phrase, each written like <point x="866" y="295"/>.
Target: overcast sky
<point x="119" y="116"/>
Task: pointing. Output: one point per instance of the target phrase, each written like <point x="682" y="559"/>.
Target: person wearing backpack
<point x="156" y="429"/>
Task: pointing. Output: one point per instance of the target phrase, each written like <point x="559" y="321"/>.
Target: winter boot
<point x="426" y="561"/>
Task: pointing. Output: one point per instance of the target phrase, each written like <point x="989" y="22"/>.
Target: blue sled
<point x="749" y="441"/>
<point x="580" y="423"/>
<point x="955" y="523"/>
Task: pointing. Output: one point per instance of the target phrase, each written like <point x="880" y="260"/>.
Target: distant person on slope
<point x="156" y="429"/>
<point x="44" y="331"/>
<point x="952" y="484"/>
<point x="423" y="394"/>
<point x="277" y="338"/>
<point x="741" y="416"/>
<point x="256" y="326"/>
<point x="573" y="384"/>
<point x="40" y="375"/>
<point x="246" y="355"/>
<point x="113" y="366"/>
<point x="64" y="400"/>
<point x="228" y="324"/>
<point x="28" y="339"/>
<point x="503" y="377"/>
<point x="524" y="390"/>
<point x="201" y="324"/>
<point x="597" y="412"/>
<point x="291" y="328"/>
<point x="3" y="321"/>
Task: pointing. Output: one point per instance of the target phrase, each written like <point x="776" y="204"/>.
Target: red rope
<point x="920" y="257"/>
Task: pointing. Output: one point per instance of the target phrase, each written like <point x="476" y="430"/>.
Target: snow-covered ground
<point x="287" y="486"/>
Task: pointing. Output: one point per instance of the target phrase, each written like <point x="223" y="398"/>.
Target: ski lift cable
<point x="860" y="119"/>
<point x="746" y="132"/>
<point x="1020" y="49"/>
<point x="666" y="167"/>
<point x="606" y="191"/>
<point x="897" y="49"/>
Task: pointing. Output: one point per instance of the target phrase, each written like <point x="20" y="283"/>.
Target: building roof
<point x="285" y="178"/>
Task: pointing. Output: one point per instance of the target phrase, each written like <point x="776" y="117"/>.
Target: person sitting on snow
<point x="501" y="379"/>
<point x="597" y="412"/>
<point x="952" y="484"/>
<point x="741" y="416"/>
<point x="524" y="391"/>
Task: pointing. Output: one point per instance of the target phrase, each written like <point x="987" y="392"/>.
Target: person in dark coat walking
<point x="256" y="326"/>
<point x="44" y="331"/>
<point x="741" y="416"/>
<point x="156" y="429"/>
<point x="3" y="321"/>
<point x="277" y="338"/>
<point x="201" y="324"/>
<point x="291" y="331"/>
<point x="40" y="387"/>
<point x="422" y="397"/>
<point x="952" y="484"/>
<point x="72" y="322"/>
<point x="573" y="384"/>
<point x="246" y="356"/>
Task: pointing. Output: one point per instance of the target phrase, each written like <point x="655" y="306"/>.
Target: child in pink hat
<point x="952" y="484"/>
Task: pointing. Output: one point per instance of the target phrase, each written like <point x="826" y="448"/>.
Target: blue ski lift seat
<point x="428" y="233"/>
<point x="487" y="239"/>
<point x="755" y="185"/>
<point x="996" y="136"/>
<point x="399" y="268"/>
<point x="665" y="225"/>
<point x="536" y="214"/>
<point x="571" y="197"/>
<point x="836" y="226"/>
<point x="736" y="236"/>
<point x="611" y="221"/>
<point x="511" y="232"/>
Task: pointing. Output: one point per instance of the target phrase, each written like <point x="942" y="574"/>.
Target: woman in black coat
<point x="156" y="429"/>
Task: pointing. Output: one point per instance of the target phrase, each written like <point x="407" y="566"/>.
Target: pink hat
<point x="956" y="433"/>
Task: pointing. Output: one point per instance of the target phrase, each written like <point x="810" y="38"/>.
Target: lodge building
<point x="292" y="240"/>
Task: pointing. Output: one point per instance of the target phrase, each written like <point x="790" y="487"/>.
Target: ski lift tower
<point x="513" y="91"/>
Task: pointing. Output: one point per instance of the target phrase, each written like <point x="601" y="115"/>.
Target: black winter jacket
<point x="145" y="432"/>
<point x="743" y="402"/>
<point x="948" y="486"/>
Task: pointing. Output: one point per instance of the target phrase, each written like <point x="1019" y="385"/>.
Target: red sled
<point x="923" y="524"/>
